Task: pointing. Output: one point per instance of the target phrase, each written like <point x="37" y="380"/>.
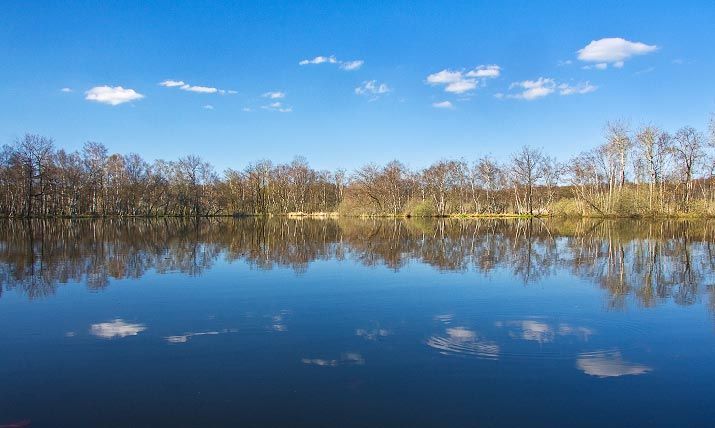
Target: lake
<point x="283" y="322"/>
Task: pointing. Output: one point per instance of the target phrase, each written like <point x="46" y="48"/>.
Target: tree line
<point x="645" y="171"/>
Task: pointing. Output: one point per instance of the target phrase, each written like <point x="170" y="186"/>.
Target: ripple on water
<point x="462" y="341"/>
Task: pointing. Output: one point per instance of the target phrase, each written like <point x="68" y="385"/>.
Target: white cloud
<point x="172" y="83"/>
<point x="613" y="50"/>
<point x="112" y="95"/>
<point x="199" y="89"/>
<point x="117" y="328"/>
<point x="66" y="90"/>
<point x="247" y="109"/>
<point x="443" y="105"/>
<point x="461" y="86"/>
<point x="530" y="90"/>
<point x="319" y="60"/>
<point x="533" y="89"/>
<point x="492" y="70"/>
<point x="445" y="77"/>
<point x="371" y="87"/>
<point x="352" y="65"/>
<point x="274" y="95"/>
<point x="461" y="81"/>
<point x="208" y="107"/>
<point x="194" y="88"/>
<point x="608" y="364"/>
<point x="579" y="88"/>
<point x="344" y="65"/>
<point x="277" y="106"/>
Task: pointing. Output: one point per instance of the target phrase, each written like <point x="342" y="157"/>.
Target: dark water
<point x="324" y="323"/>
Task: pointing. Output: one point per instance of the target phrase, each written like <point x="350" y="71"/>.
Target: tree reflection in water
<point x="651" y="261"/>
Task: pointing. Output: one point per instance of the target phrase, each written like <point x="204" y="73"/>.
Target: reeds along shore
<point x="645" y="172"/>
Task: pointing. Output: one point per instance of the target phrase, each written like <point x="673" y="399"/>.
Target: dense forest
<point x="635" y="172"/>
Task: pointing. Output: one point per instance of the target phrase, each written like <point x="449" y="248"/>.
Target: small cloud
<point x="112" y="95"/>
<point x="274" y="95"/>
<point x="319" y="60"/>
<point x="461" y="81"/>
<point x="490" y="71"/>
<point x="344" y="65"/>
<point x="678" y="61"/>
<point x="172" y="83"/>
<point x="199" y="89"/>
<point x="194" y="88"/>
<point x="543" y="86"/>
<point x="352" y="65"/>
<point x="208" y="107"/>
<point x="580" y="88"/>
<point x="372" y="88"/>
<point x="443" y="105"/>
<point x="66" y="90"/>
<point x="562" y="63"/>
<point x="277" y="106"/>
<point x="117" y="328"/>
<point x="533" y="89"/>
<point x="613" y="50"/>
<point x="247" y="109"/>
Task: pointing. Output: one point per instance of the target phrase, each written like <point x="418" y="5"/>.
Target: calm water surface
<point x="357" y="323"/>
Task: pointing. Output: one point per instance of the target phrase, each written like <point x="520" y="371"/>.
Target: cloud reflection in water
<point x="461" y="341"/>
<point x="608" y="364"/>
<point x="348" y="358"/>
<point x="117" y="328"/>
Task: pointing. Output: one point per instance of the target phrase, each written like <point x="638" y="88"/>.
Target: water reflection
<point x="347" y="358"/>
<point x="649" y="261"/>
<point x="183" y="338"/>
<point x="542" y="332"/>
<point x="605" y="364"/>
<point x="117" y="328"/>
<point x="462" y="341"/>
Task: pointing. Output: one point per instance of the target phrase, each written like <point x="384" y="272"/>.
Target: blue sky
<point x="377" y="95"/>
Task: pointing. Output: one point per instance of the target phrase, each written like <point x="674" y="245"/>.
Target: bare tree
<point x="688" y="152"/>
<point x="527" y="168"/>
<point x="653" y="150"/>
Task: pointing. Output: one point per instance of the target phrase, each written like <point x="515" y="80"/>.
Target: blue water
<point x="334" y="333"/>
